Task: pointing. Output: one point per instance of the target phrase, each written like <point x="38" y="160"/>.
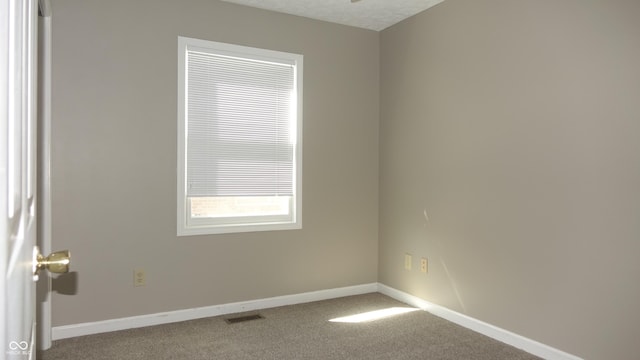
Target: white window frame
<point x="188" y="225"/>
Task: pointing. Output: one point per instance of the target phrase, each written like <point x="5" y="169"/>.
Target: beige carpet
<point x="294" y="332"/>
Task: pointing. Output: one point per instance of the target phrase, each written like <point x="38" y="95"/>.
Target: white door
<point x="19" y="258"/>
<point x="18" y="36"/>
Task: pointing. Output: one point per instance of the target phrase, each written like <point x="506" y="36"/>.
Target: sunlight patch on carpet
<point x="374" y="315"/>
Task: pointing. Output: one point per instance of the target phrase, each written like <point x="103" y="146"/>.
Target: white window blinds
<point x="240" y="126"/>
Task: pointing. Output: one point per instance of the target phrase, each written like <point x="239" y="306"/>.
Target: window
<point x="239" y="138"/>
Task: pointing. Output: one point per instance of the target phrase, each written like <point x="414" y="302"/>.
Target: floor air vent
<point x="238" y="319"/>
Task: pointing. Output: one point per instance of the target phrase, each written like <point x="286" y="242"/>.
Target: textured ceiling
<point x="369" y="14"/>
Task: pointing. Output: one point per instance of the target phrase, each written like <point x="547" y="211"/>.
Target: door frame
<point x="43" y="297"/>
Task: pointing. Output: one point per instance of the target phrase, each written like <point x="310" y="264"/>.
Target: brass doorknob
<point x="58" y="262"/>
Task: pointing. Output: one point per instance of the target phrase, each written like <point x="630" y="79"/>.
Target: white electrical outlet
<point x="407" y="262"/>
<point x="139" y="277"/>
<point x="424" y="265"/>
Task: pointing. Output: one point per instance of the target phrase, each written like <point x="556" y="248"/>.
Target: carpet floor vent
<point x="238" y="319"/>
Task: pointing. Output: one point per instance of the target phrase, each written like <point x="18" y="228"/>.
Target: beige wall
<point x="516" y="126"/>
<point x="513" y="124"/>
<point x="114" y="160"/>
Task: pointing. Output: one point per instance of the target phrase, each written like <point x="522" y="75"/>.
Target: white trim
<point x="494" y="332"/>
<point x="67" y="331"/>
<point x="44" y="179"/>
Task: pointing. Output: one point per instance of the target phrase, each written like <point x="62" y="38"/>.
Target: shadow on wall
<point x="65" y="284"/>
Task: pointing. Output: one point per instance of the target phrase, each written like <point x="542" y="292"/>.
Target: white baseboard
<point x="507" y="337"/>
<point x="68" y="331"/>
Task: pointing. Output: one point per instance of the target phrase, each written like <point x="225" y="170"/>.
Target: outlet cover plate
<point x="139" y="277"/>
<point x="424" y="265"/>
